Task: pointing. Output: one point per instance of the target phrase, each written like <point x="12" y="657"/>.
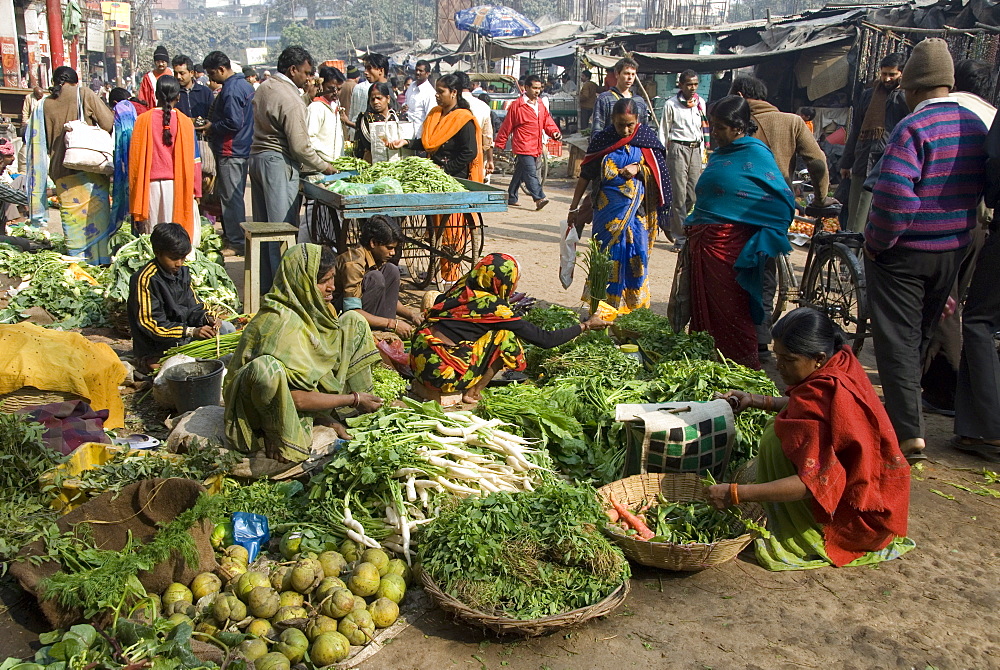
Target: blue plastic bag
<point x="251" y="532"/>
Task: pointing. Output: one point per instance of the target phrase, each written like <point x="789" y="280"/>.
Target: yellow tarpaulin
<point x="51" y="360"/>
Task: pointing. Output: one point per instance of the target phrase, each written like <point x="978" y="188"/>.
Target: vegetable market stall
<point x="437" y="245"/>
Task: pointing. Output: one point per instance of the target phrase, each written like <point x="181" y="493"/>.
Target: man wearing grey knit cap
<point x="923" y="211"/>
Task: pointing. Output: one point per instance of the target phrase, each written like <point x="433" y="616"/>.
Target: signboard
<point x="256" y="55"/>
<point x="95" y="33"/>
<point x="118" y="15"/>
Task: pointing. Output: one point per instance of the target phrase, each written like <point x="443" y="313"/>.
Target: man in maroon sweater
<point x="527" y="120"/>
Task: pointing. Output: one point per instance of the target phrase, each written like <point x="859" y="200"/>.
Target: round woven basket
<point x="29" y="396"/>
<point x="522" y="627"/>
<point x="666" y="555"/>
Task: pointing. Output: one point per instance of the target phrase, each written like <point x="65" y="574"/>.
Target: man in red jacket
<point x="527" y="120"/>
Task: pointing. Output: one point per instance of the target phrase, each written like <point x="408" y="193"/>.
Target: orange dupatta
<point x="439" y="128"/>
<point x="141" y="162"/>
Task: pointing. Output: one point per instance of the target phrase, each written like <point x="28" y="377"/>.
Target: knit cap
<point x="160" y="53"/>
<point x="930" y="65"/>
<point x="353" y="72"/>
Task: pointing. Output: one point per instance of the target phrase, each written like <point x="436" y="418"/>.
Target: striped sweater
<point x="933" y="174"/>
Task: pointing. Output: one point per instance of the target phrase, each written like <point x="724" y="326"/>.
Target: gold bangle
<point x="734" y="496"/>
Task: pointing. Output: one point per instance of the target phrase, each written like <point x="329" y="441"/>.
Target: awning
<point x="666" y="63"/>
<point x="551" y="36"/>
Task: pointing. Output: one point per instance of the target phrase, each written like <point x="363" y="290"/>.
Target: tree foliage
<point x="196" y="37"/>
<point x="359" y="24"/>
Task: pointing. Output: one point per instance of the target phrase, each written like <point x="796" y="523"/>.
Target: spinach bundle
<point x="524" y="555"/>
<point x="58" y="283"/>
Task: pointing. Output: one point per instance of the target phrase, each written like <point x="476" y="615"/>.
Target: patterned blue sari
<point x="624" y="229"/>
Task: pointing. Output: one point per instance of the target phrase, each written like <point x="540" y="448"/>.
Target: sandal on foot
<point x="916" y="456"/>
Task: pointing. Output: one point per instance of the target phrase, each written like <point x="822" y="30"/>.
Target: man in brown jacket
<point x="788" y="137"/>
<point x="280" y="149"/>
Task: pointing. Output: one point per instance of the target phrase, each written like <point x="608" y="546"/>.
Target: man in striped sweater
<point x="923" y="209"/>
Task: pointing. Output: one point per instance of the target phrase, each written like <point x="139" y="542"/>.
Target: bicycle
<point x="833" y="279"/>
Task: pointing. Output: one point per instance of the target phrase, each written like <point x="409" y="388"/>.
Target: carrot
<point x="612" y="514"/>
<point x="632" y="520"/>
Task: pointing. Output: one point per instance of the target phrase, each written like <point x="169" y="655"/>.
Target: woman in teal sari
<point x="627" y="165"/>
<point x="740" y="219"/>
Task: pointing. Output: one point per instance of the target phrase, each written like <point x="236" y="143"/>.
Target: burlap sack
<point x="138" y="509"/>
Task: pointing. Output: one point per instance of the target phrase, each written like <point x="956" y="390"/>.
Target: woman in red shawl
<point x="471" y="332"/>
<point x="830" y="474"/>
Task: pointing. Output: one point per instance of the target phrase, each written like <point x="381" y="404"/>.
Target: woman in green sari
<point x="298" y="363"/>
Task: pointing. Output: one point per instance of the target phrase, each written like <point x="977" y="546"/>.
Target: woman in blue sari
<point x="627" y="165"/>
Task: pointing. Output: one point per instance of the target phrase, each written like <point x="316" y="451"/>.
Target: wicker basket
<point x="668" y="556"/>
<point x="522" y="627"/>
<point x="29" y="396"/>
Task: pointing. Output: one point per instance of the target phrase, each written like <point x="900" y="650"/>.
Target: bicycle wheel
<point x="418" y="241"/>
<point x="835" y="286"/>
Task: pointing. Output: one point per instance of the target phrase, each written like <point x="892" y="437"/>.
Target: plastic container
<point x="195" y="385"/>
<point x="632" y="351"/>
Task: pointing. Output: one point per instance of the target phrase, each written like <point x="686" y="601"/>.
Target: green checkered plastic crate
<point x="678" y="437"/>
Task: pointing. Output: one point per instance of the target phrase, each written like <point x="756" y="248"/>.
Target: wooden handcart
<point x="443" y="233"/>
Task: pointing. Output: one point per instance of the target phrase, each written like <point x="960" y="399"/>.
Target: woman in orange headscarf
<point x="452" y="139"/>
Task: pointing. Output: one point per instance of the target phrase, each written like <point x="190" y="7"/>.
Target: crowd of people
<point x="716" y="179"/>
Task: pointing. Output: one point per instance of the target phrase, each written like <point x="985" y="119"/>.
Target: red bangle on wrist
<point x="734" y="497"/>
<point x="357" y="399"/>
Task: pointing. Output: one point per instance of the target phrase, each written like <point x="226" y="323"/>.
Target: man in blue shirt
<point x="627" y="71"/>
<point x="195" y="99"/>
<point x="231" y="134"/>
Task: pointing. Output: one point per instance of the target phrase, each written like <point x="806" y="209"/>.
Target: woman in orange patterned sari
<point x="453" y="140"/>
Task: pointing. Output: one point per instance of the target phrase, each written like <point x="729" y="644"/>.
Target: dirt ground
<point x="934" y="608"/>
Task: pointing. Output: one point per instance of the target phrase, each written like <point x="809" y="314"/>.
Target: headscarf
<point x="438" y="128"/>
<point x="6" y="148"/>
<point x="839" y="437"/>
<point x="645" y="139"/>
<point x="482" y="295"/>
<point x="295" y="324"/>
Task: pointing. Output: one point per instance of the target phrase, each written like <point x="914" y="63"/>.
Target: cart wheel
<point x="464" y="241"/>
<point x="419" y="260"/>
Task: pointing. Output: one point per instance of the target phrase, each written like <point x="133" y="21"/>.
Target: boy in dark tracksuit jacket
<point x="163" y="311"/>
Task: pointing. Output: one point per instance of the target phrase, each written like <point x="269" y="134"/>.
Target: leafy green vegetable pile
<point x="388" y="384"/>
<point x="51" y="283"/>
<point x="126" y="467"/>
<point x="125" y="645"/>
<point x="525" y="555"/>
<point x="23" y="505"/>
<point x="415" y="174"/>
<point x="553" y="317"/>
<point x="659" y="341"/>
